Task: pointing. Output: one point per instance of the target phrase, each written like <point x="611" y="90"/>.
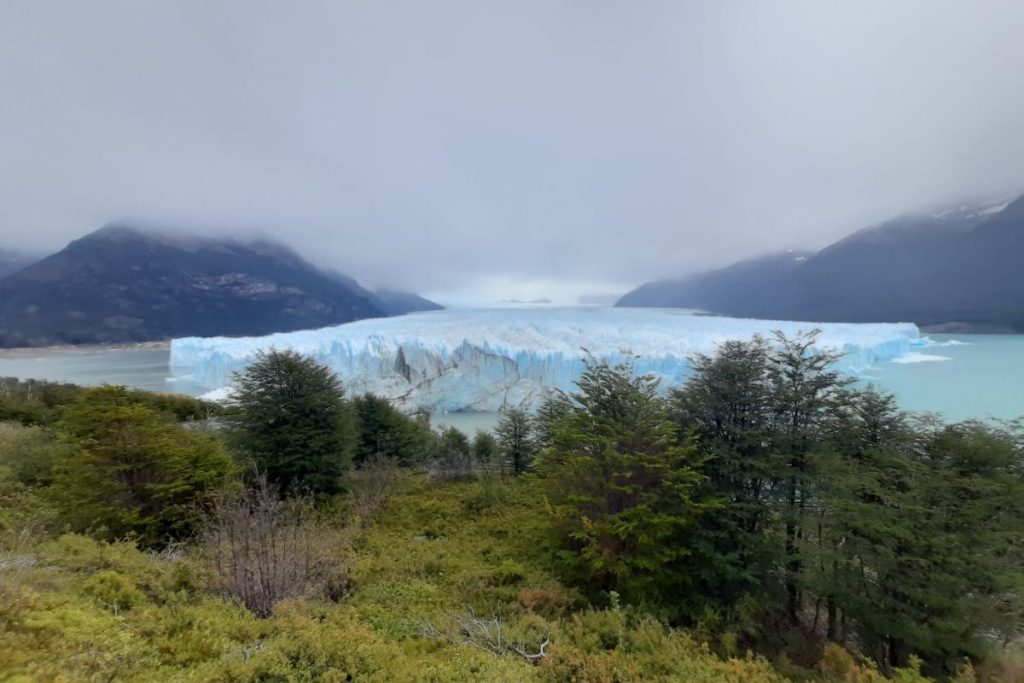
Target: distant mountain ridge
<point x="125" y="284"/>
<point x="394" y="302"/>
<point x="957" y="269"/>
<point x="742" y="287"/>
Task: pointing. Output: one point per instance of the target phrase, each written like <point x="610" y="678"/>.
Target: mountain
<point x="390" y="301"/>
<point x="743" y="287"/>
<point x="957" y="269"/>
<point x="13" y="261"/>
<point x="123" y="284"/>
<point x="394" y="302"/>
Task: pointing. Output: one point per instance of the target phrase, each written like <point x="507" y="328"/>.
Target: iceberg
<point x="488" y="359"/>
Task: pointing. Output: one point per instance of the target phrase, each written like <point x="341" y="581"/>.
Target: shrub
<point x="264" y="550"/>
<point x="30" y="453"/>
<point x="452" y="459"/>
<point x="15" y="599"/>
<point x="134" y="472"/>
<point x="528" y="638"/>
<point x="371" y="487"/>
<point x="491" y="492"/>
<point x="84" y="554"/>
<point x="547" y="602"/>
<point x="113" y="590"/>
<point x="508" y="573"/>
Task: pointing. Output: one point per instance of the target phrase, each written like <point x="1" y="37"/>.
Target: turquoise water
<point x="983" y="378"/>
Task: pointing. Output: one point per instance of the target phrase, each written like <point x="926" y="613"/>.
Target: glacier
<point x="488" y="359"/>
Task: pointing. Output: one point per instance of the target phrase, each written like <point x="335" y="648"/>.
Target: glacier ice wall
<point x="486" y="359"/>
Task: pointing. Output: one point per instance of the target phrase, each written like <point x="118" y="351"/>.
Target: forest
<point x="768" y="520"/>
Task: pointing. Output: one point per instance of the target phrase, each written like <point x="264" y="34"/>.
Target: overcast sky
<point x="480" y="149"/>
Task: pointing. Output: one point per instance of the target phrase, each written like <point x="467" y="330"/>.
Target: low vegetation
<point x="765" y="522"/>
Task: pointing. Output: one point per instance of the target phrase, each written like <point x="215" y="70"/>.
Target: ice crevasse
<point x="487" y="359"/>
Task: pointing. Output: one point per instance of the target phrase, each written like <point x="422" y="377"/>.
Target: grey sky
<point x="508" y="148"/>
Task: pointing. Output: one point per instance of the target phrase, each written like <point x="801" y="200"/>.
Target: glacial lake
<point x="983" y="377"/>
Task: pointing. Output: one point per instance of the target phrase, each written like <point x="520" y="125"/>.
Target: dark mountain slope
<point x="889" y="270"/>
<point x="391" y="301"/>
<point x="744" y="288"/>
<point x="956" y="266"/>
<point x="120" y="284"/>
<point x="395" y="302"/>
<point x="983" y="275"/>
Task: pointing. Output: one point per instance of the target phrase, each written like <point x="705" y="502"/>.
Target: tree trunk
<point x="833" y="620"/>
<point x="792" y="572"/>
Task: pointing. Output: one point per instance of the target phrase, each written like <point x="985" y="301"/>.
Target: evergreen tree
<point x="861" y="487"/>
<point x="293" y="423"/>
<point x="515" y="437"/>
<point x="547" y="416"/>
<point x="916" y="542"/>
<point x="453" y="441"/>
<point x="727" y="404"/>
<point x="485" y="448"/>
<point x="132" y="471"/>
<point x="808" y="400"/>
<point x="453" y="455"/>
<point x="953" y="579"/>
<point x="622" y="483"/>
<point x="385" y="431"/>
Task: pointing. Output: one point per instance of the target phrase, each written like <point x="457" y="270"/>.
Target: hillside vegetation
<point x="763" y="523"/>
<point x="74" y="608"/>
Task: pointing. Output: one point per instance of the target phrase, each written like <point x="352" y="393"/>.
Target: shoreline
<point x="24" y="351"/>
<point x="966" y="328"/>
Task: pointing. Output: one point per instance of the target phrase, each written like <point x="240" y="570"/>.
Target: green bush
<point x="30" y="454"/>
<point x="507" y="573"/>
<point x="133" y="472"/>
<point x="114" y="590"/>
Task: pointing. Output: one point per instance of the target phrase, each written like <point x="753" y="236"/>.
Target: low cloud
<point x="464" y="147"/>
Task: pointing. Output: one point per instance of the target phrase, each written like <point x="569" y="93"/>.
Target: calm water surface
<point x="983" y="377"/>
<point x="142" y="368"/>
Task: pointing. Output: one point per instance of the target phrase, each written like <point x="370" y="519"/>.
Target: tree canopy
<point x="132" y="471"/>
<point x="292" y="423"/>
<point x="623" y="485"/>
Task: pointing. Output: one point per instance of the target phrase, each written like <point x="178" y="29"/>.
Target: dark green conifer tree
<point x="293" y="424"/>
<point x="622" y="483"/>
<point x="486" y="450"/>
<point x="807" y="400"/>
<point x="546" y="417"/>
<point x="727" y="404"/>
<point x="131" y="471"/>
<point x="515" y="438"/>
<point x="386" y="431"/>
